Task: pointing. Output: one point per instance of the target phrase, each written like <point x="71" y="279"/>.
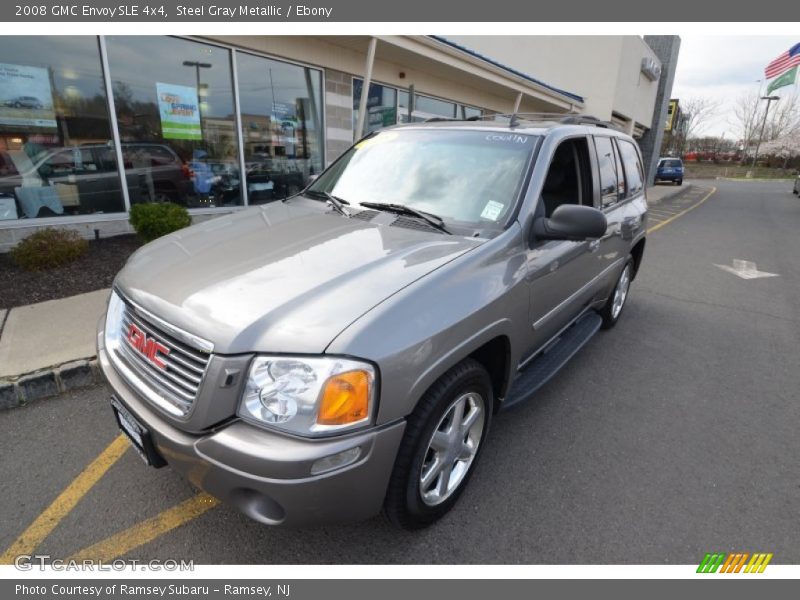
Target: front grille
<point x="184" y="366"/>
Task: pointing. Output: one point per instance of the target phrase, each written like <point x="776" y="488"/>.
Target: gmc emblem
<point x="150" y="348"/>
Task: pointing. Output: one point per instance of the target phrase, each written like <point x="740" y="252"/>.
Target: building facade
<point x="91" y="125"/>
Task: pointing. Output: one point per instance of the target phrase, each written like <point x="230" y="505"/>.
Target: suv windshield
<point x="468" y="178"/>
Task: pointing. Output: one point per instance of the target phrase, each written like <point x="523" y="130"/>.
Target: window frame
<point x="617" y="164"/>
<point x="639" y="167"/>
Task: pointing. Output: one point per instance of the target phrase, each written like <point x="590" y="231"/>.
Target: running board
<point x="555" y="355"/>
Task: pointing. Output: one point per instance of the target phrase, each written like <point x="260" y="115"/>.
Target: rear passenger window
<point x="610" y="176"/>
<point x="633" y="167"/>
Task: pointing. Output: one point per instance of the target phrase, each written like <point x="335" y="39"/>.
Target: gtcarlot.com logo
<point x="735" y="562"/>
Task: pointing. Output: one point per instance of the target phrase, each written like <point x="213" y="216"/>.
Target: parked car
<point x="88" y="180"/>
<point x="796" y="189"/>
<point x="25" y="102"/>
<point x="342" y="351"/>
<point x="670" y="169"/>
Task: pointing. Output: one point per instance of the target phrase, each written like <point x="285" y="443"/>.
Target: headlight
<point x="309" y="396"/>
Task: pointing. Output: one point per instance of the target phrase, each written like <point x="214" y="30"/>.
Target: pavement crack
<point x="719" y="305"/>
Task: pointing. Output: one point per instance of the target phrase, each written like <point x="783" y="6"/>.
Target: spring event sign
<point x="180" y="112"/>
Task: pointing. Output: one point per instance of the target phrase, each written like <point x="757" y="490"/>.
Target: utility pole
<point x="770" y="100"/>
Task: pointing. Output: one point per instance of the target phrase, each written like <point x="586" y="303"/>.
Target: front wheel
<point x="679" y="182"/>
<point x="612" y="309"/>
<point x="443" y="439"/>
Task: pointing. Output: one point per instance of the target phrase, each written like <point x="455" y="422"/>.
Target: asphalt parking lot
<point x="673" y="435"/>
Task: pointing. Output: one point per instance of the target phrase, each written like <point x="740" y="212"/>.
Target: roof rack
<point x="516" y="118"/>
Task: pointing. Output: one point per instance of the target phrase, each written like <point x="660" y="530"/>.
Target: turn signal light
<point x="345" y="399"/>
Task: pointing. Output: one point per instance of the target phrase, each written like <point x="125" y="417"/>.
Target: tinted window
<point x="610" y="178"/>
<point x="381" y="105"/>
<point x="281" y="124"/>
<point x="53" y="118"/>
<point x="633" y="167"/>
<point x="175" y="97"/>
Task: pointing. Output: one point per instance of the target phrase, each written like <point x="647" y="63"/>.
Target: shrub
<point x="151" y="221"/>
<point x="49" y="248"/>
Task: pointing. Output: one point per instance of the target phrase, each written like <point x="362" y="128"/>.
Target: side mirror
<point x="571" y="222"/>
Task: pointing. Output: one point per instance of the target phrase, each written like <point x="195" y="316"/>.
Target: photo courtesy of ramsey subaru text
<point x="342" y="351"/>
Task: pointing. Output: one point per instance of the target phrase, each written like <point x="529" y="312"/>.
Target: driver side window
<point x="568" y="179"/>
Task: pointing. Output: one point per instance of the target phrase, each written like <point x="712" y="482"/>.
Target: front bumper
<point x="267" y="475"/>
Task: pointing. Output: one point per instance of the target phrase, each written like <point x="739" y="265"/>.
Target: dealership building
<point x="90" y="126"/>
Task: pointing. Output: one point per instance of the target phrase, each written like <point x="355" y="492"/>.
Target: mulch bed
<point x="94" y="271"/>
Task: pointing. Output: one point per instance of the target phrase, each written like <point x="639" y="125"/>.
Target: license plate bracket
<point x="138" y="435"/>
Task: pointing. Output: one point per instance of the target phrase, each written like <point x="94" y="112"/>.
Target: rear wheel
<point x="612" y="309"/>
<point x="443" y="439"/>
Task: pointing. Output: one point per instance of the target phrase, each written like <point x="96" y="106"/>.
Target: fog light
<point x="336" y="461"/>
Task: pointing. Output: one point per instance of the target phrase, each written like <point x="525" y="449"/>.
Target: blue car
<point x="670" y="169"/>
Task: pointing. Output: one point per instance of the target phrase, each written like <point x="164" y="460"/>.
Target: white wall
<point x="605" y="70"/>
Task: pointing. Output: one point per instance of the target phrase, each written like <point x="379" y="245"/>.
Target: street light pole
<point x="769" y="100"/>
<point x="197" y="66"/>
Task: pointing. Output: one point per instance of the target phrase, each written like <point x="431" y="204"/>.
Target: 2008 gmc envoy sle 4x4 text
<point x="342" y="351"/>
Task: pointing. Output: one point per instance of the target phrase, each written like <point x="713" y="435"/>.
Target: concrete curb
<point x="45" y="383"/>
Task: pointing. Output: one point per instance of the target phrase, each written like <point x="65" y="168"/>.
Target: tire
<point x="412" y="504"/>
<point x="611" y="311"/>
<point x="679" y="181"/>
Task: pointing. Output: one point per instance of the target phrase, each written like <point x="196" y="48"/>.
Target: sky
<point x="722" y="68"/>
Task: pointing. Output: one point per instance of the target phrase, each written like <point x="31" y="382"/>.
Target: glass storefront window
<point x="381" y="105"/>
<point x="466" y="112"/>
<point x="281" y="126"/>
<point x="435" y="107"/>
<point x="176" y="117"/>
<point x="56" y="154"/>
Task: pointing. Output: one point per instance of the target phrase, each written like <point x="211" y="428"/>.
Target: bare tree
<point x="693" y="118"/>
<point x="748" y="116"/>
<point x="745" y="121"/>
<point x="783" y="119"/>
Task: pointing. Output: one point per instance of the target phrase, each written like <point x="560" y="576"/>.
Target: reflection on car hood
<point x="286" y="277"/>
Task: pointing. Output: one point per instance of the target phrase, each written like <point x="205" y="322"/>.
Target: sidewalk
<point x="49" y="347"/>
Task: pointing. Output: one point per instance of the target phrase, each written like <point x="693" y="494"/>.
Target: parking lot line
<point x="49" y="519"/>
<point x="123" y="542"/>
<point x="683" y="212"/>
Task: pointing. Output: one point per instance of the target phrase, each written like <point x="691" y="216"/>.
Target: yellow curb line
<point x="137" y="535"/>
<point x="49" y="519"/>
<point x="683" y="212"/>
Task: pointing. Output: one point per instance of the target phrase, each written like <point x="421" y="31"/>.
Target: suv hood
<point x="285" y="277"/>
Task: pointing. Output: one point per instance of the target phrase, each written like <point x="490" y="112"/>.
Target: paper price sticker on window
<point x="492" y="210"/>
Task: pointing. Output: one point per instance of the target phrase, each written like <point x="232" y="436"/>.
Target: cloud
<point x="723" y="68"/>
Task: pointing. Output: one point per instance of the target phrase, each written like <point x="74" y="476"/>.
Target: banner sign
<point x="26" y="98"/>
<point x="179" y="108"/>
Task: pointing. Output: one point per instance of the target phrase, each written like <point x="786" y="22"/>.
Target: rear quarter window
<point x="634" y="176"/>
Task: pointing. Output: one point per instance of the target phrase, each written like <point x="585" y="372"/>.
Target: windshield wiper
<point x="335" y="202"/>
<point x="431" y="219"/>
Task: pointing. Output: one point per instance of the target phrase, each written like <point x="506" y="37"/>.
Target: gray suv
<point x="343" y="351"/>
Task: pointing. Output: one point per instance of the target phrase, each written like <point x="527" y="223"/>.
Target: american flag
<point x="784" y="62"/>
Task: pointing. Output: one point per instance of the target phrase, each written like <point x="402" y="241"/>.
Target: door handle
<point x="594" y="245"/>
